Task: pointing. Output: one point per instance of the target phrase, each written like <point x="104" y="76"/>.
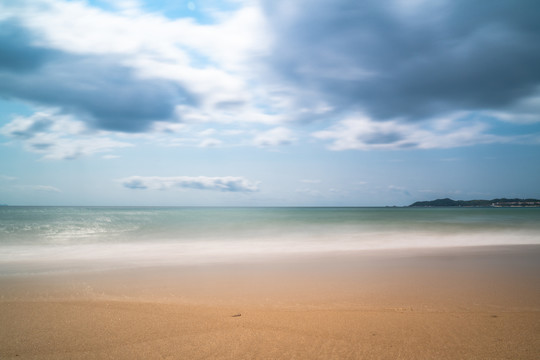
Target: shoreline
<point x="339" y="270"/>
<point x="24" y="260"/>
<point x="472" y="302"/>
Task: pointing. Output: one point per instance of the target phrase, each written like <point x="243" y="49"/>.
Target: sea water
<point x="39" y="239"/>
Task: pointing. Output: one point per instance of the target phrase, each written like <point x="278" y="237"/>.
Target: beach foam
<point x="64" y="239"/>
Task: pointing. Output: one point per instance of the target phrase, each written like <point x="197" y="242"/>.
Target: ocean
<point x="49" y="239"/>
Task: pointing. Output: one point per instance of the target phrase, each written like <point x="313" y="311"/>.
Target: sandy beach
<point x="269" y="179"/>
<point x="453" y="303"/>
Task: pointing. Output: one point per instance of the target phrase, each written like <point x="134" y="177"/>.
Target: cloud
<point x="7" y="178"/>
<point x="524" y="111"/>
<point x="135" y="68"/>
<point x="99" y="90"/>
<point x="362" y="133"/>
<point x="110" y="157"/>
<point x="275" y="137"/>
<point x="225" y="184"/>
<point x="210" y="142"/>
<point x="58" y="136"/>
<point x="207" y="132"/>
<point x="408" y="60"/>
<point x="403" y="64"/>
<point x="16" y="55"/>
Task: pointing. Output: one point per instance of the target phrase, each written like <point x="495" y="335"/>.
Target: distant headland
<point x="503" y="202"/>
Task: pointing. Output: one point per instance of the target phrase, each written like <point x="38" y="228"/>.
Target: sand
<point x="458" y="303"/>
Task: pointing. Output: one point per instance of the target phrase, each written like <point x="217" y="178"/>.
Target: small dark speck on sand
<point x="236" y="315"/>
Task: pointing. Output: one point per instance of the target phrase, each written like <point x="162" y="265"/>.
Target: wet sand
<point x="457" y="303"/>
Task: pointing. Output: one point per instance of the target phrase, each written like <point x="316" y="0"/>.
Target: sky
<point x="268" y="102"/>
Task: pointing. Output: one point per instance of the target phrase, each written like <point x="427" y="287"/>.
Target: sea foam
<point x="65" y="239"/>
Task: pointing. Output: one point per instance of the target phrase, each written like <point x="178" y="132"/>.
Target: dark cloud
<point x="99" y="90"/>
<point x="134" y="183"/>
<point x="15" y="52"/>
<point x="383" y="138"/>
<point x="42" y="146"/>
<point x="412" y="62"/>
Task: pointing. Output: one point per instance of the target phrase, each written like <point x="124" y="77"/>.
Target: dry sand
<point x="466" y="303"/>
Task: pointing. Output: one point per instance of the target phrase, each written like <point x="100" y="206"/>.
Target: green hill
<point x="503" y="202"/>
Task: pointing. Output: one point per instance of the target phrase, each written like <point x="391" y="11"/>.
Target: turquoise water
<point x="62" y="237"/>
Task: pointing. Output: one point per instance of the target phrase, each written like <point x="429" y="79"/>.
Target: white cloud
<point x="7" y="178"/>
<point x="210" y="142"/>
<point x="216" y="62"/>
<point x="525" y="111"/>
<point x="362" y="133"/>
<point x="74" y="148"/>
<point x="225" y="67"/>
<point x="168" y="127"/>
<point x="58" y="136"/>
<point x="225" y="183"/>
<point x="275" y="137"/>
<point x="207" y="132"/>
